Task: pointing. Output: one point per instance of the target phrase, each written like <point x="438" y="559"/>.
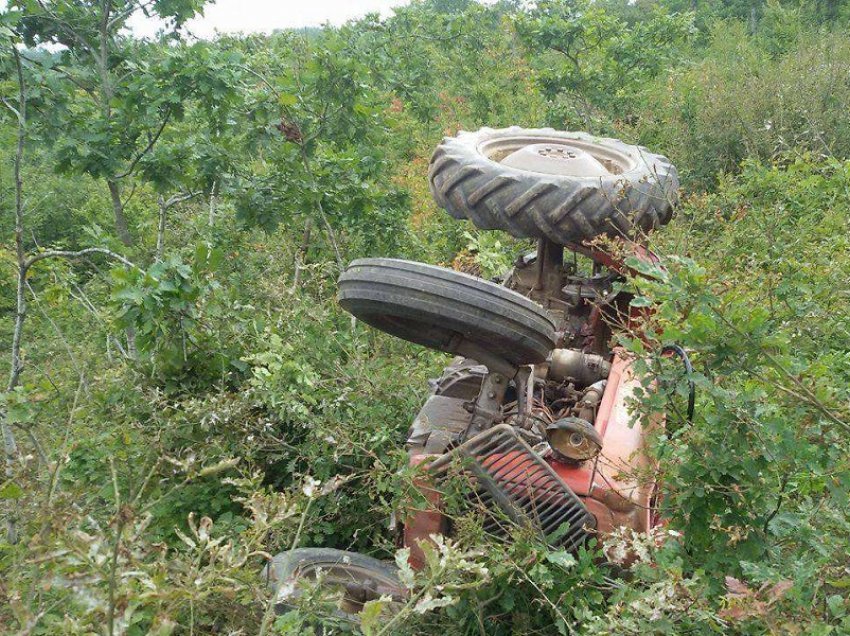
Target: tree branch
<point x="180" y="198"/>
<point x="86" y="89"/>
<point x="147" y="149"/>
<point x="321" y="210"/>
<point x="123" y="15"/>
<point x="164" y="206"/>
<point x="66" y="27"/>
<point x="32" y="260"/>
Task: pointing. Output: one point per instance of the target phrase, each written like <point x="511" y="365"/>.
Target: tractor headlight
<point x="574" y="440"/>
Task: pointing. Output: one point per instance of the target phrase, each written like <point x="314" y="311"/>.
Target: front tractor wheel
<point x="446" y="310"/>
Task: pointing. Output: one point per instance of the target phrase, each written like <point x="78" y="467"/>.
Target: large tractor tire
<point x="353" y="579"/>
<point x="447" y="310"/>
<point x="541" y="183"/>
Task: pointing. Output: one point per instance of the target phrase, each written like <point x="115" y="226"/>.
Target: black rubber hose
<point x="689" y="369"/>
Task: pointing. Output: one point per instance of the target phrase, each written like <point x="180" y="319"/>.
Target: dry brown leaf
<point x="779" y="590"/>
<point x="737" y="587"/>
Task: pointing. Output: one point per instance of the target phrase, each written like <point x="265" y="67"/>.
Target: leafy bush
<point x="591" y="60"/>
<point x="175" y="319"/>
<point x="759" y="483"/>
<point x="739" y="101"/>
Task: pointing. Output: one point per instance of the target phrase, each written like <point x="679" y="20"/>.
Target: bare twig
<point x="58" y="331"/>
<point x="301" y="254"/>
<point x="53" y="484"/>
<point x="39" y="449"/>
<point x="211" y="217"/>
<point x="120" y="521"/>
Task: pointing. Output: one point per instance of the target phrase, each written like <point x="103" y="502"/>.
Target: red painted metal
<point x="617" y="262"/>
<point x="421" y="523"/>
<point x="617" y="487"/>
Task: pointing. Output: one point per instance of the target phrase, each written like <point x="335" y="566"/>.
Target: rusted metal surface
<point x="615" y="259"/>
<point x="624" y="476"/>
<point x="485" y="409"/>
<point x="421" y="523"/>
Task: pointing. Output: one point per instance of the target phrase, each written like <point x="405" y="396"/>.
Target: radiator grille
<point x="506" y="472"/>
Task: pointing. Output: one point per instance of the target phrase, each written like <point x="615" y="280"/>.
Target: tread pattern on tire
<point x="563" y="209"/>
<point x="439" y="308"/>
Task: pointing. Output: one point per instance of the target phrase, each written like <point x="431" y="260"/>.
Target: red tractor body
<point x="617" y="486"/>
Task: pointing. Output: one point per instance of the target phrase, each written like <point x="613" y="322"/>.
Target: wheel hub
<point x="556" y="158"/>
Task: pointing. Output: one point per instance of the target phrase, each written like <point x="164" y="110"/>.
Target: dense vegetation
<point x="185" y="397"/>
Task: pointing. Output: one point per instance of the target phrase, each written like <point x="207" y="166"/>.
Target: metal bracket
<point x="524" y="395"/>
<point x="486" y="407"/>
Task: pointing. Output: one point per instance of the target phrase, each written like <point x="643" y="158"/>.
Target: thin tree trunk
<point x="11" y="451"/>
<point x="10" y="447"/>
<point x="160" y="230"/>
<point x="123" y="234"/>
<point x="301" y="256"/>
<point x="102" y="59"/>
<point x="164" y="206"/>
<point x="121" y="226"/>
<point x="212" y="203"/>
<point x="305" y="160"/>
<point x="120" y="521"/>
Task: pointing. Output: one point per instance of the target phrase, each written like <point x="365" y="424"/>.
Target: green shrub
<point x="739" y="101"/>
<point x="759" y="483"/>
<point x="176" y="318"/>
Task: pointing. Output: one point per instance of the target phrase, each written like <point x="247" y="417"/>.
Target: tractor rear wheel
<point x="542" y="183"/>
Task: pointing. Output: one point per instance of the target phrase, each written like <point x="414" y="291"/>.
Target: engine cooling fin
<point x="507" y="473"/>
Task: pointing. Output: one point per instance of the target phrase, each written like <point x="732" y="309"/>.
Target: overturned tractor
<point x="534" y="409"/>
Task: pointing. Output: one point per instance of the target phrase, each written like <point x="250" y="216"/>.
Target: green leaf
<point x="640" y="301"/>
<point x="836" y="605"/>
<point x="561" y="558"/>
<point x="287" y="99"/>
<point x="11" y="490"/>
<point x="370" y="616"/>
